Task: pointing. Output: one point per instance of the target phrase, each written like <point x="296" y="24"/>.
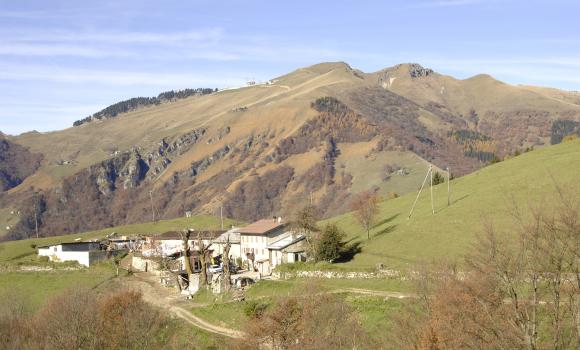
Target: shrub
<point x="254" y="309"/>
<point x="311" y="321"/>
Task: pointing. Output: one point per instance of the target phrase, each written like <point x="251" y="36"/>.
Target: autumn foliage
<point x="82" y="319"/>
<point x="308" y="321"/>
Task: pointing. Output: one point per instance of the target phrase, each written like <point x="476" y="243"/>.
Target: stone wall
<point x="145" y="265"/>
<point x="393" y="274"/>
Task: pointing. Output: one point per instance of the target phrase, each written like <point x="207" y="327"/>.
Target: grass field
<point x="375" y="312"/>
<point x="17" y="249"/>
<point x="36" y="287"/>
<point x="399" y="242"/>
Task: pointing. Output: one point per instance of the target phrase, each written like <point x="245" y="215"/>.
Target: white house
<point x="256" y="237"/>
<point x="85" y="253"/>
<point x="233" y="235"/>
<point x="289" y="248"/>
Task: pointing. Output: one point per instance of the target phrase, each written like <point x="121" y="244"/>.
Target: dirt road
<point x="175" y="303"/>
<point x="162" y="297"/>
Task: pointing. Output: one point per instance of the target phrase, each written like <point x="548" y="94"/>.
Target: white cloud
<point x="16" y="49"/>
<point x="447" y="3"/>
<point x="205" y="35"/>
<point x="115" y="77"/>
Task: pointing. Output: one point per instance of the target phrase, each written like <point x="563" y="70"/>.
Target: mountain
<point x="317" y="134"/>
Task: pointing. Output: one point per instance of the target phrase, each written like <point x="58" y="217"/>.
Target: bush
<point x="254" y="309"/>
<point x="311" y="321"/>
<point x="82" y="319"/>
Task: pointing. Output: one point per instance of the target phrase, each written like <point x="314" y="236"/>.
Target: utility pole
<point x="432" y="206"/>
<point x="222" y="214"/>
<point x="35" y="216"/>
<point x="152" y="208"/>
<point x="448" y="187"/>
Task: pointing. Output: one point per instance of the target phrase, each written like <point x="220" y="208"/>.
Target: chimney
<point x="279" y="219"/>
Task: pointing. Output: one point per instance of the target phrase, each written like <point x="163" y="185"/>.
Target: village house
<point x="268" y="243"/>
<point x="233" y="236"/>
<point x="170" y="245"/>
<point x="290" y="248"/>
<point x="124" y="243"/>
<point x="85" y="253"/>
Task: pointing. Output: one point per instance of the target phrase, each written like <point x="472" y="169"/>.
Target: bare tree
<point x="521" y="291"/>
<point x="226" y="265"/>
<point x="304" y="221"/>
<point x="186" y="253"/>
<point x="366" y="207"/>
<point x="203" y="259"/>
<point x="308" y="321"/>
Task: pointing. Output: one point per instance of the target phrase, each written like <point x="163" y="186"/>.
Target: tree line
<point x="139" y="102"/>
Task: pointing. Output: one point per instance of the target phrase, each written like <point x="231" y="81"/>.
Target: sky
<point x="64" y="60"/>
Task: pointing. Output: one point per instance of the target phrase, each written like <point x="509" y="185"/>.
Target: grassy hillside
<point x="528" y="179"/>
<point x="201" y="152"/>
<point x="38" y="286"/>
<point x="17" y="249"/>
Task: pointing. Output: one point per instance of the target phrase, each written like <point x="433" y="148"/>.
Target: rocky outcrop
<point x="417" y="71"/>
<point x="159" y="159"/>
<point x="129" y="169"/>
<point x="199" y="166"/>
<point x="221" y="133"/>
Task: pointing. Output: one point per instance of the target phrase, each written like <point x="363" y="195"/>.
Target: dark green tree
<point x="438" y="178"/>
<point x="330" y="244"/>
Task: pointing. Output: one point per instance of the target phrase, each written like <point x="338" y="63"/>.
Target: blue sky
<point x="63" y="60"/>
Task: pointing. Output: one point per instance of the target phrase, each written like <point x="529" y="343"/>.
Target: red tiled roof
<point x="261" y="227"/>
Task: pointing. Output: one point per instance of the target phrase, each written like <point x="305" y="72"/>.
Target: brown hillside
<point x="320" y="133"/>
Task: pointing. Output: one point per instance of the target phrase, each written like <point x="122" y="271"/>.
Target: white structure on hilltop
<point x="85" y="253"/>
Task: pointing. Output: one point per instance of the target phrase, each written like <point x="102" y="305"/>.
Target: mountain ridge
<point x="270" y="148"/>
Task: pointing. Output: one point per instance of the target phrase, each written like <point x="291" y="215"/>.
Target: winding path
<point x="164" y="298"/>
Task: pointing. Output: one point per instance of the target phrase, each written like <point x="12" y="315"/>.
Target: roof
<point x="262" y="227"/>
<point x="66" y="243"/>
<point x="288" y="240"/>
<point x="233" y="235"/>
<point x="176" y="235"/>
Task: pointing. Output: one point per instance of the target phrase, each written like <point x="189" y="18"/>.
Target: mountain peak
<point x="325" y="67"/>
<point x="415" y="70"/>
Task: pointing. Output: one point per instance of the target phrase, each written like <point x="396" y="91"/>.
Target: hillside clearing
<point x="398" y="242"/>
